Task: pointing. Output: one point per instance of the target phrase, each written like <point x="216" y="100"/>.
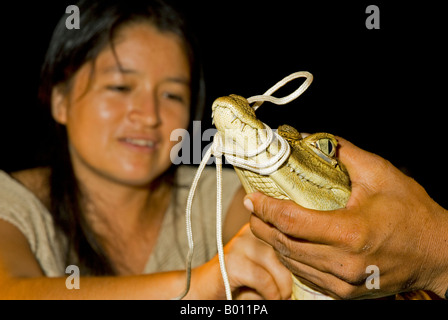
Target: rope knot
<point x="217" y="145"/>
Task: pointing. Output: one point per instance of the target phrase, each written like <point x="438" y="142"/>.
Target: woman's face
<point x="120" y="116"/>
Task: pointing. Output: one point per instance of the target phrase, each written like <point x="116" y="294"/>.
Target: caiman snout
<point x="226" y="110"/>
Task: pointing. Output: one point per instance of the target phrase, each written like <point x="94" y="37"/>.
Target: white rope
<point x="219" y="244"/>
<point x="188" y="223"/>
<point x="281" y="101"/>
<point x="237" y="158"/>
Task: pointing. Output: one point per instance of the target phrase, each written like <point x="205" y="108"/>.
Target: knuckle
<point x="261" y="205"/>
<point x="353" y="273"/>
<point x="286" y="221"/>
<point x="383" y="171"/>
<point x="264" y="284"/>
<point x="345" y="291"/>
<point x="280" y="243"/>
<point x="383" y="164"/>
<point x="283" y="224"/>
<point x="280" y="213"/>
<point x="356" y="239"/>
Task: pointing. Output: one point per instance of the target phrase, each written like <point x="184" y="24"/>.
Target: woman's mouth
<point x="139" y="144"/>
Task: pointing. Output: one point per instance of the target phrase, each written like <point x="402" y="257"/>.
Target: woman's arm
<point x="251" y="264"/>
<point x="22" y="278"/>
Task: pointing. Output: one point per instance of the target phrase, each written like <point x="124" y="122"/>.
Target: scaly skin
<point x="312" y="176"/>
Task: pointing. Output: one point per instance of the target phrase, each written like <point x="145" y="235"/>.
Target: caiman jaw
<point x="237" y="124"/>
<point x="226" y="110"/>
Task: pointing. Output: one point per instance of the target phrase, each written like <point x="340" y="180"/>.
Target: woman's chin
<point x="138" y="177"/>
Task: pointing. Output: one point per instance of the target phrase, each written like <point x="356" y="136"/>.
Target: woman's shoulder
<point x="22" y="198"/>
<point x="35" y="181"/>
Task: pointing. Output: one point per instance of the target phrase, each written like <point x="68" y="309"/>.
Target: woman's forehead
<point x="143" y="45"/>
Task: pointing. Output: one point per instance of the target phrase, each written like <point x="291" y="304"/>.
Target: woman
<point x="111" y="203"/>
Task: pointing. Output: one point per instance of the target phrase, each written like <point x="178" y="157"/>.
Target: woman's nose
<point x="145" y="111"/>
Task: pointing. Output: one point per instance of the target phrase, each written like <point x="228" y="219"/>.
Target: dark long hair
<point x="69" y="49"/>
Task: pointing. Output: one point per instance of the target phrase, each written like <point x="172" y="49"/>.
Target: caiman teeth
<point x="234" y="107"/>
<point x="305" y="178"/>
<point x="234" y="118"/>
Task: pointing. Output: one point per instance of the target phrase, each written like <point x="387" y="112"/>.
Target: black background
<point x="384" y="89"/>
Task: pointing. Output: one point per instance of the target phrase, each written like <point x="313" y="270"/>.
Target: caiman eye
<point x="326" y="146"/>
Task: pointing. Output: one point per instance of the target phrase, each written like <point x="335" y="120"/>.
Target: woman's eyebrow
<point x="180" y="80"/>
<point x="117" y="68"/>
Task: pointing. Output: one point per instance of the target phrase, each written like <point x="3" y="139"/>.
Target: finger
<point x="250" y="265"/>
<point x="363" y="166"/>
<point x="262" y="282"/>
<point x="245" y="293"/>
<point x="263" y="255"/>
<point x="324" y="283"/>
<point x="321" y="257"/>
<point x="352" y="156"/>
<point x="280" y="274"/>
<point x="325" y="227"/>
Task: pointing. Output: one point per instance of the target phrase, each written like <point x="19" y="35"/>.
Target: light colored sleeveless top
<point x="20" y="207"/>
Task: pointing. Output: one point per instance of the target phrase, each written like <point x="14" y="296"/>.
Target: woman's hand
<point x="253" y="269"/>
<point x="389" y="222"/>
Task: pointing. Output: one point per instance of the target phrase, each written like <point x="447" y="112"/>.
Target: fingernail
<point x="248" y="204"/>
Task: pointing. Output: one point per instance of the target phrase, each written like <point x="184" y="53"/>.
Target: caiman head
<point x="312" y="176"/>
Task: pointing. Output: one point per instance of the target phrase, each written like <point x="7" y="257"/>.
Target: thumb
<point x="363" y="167"/>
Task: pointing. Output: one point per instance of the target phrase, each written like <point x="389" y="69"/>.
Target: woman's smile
<point x="140" y="143"/>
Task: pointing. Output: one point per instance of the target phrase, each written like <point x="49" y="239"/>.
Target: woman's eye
<point x="119" y="88"/>
<point x="173" y="96"/>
